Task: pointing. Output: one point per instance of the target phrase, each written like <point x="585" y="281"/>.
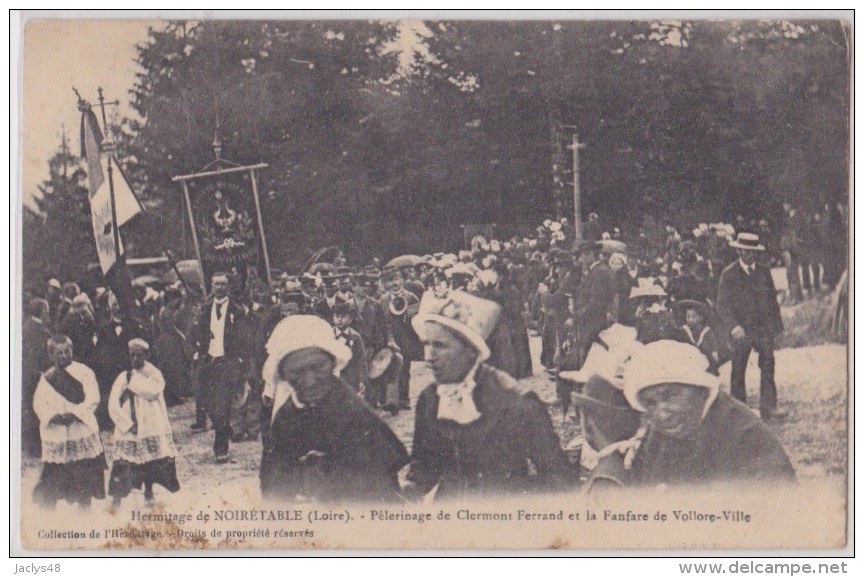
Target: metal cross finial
<point x="217" y="144"/>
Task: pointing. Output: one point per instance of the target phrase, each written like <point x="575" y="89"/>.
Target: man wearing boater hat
<point x="747" y="305"/>
<point x="477" y="431"/>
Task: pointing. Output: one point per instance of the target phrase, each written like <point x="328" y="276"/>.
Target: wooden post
<point x="195" y="237"/>
<point x="254" y="176"/>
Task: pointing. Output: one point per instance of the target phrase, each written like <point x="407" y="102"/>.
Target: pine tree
<point x="58" y="241"/>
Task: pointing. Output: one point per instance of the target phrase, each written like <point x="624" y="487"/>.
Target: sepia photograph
<point x="471" y="282"/>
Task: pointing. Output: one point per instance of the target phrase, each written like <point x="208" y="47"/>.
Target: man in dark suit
<point x="592" y="302"/>
<point x="401" y="306"/>
<point x="323" y="307"/>
<point x="356" y="371"/>
<point x="221" y="351"/>
<point x="35" y="360"/>
<point x="112" y="353"/>
<point x="747" y="305"/>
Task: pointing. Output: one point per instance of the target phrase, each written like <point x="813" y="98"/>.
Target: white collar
<point x="220" y="302"/>
<point x="747" y="268"/>
<point x="456" y="401"/>
<point x="696" y="341"/>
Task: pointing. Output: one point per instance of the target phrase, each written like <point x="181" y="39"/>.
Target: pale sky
<point x="60" y="54"/>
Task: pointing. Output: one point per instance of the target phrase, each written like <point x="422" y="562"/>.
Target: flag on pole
<point x="126" y="205"/>
<point x="125" y="202"/>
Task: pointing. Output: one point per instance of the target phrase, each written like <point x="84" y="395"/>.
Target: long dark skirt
<point x="77" y="482"/>
<point x="521" y="349"/>
<point x="126" y="476"/>
<point x="549" y="337"/>
<point x="174" y="366"/>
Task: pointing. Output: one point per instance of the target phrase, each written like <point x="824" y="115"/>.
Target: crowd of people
<point x="314" y="365"/>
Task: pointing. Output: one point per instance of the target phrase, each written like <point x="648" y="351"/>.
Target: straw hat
<point x="747" y="241"/>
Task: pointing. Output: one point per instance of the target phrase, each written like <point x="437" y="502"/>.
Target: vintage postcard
<point x="388" y="283"/>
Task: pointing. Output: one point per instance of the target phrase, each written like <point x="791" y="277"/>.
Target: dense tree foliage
<point x="57" y="240"/>
<point x="385" y="137"/>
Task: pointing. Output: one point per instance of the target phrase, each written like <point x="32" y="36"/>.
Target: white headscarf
<point x="292" y="334"/>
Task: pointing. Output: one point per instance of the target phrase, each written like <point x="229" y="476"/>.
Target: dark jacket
<point x="732" y="444"/>
<point x="112" y="358"/>
<point x="34" y="349"/>
<point x="372" y="325"/>
<point x="34" y="352"/>
<point x="594" y="301"/>
<point x="236" y="335"/>
<point x="361" y="455"/>
<point x="749" y="301"/>
<point x="691" y="287"/>
<point x="323" y="310"/>
<point x="401" y="329"/>
<point x="82" y="330"/>
<point x="708" y="344"/>
<point x="511" y="448"/>
<point x="656" y="326"/>
<point x="356" y="372"/>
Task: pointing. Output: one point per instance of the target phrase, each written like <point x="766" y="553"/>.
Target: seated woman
<point x="696" y="433"/>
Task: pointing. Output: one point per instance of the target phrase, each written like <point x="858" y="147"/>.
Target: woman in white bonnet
<point x="322" y="441"/>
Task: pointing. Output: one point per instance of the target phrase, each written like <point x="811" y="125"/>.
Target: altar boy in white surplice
<point x="144" y="448"/>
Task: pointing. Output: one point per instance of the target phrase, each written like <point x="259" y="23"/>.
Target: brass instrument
<point x="399" y="307"/>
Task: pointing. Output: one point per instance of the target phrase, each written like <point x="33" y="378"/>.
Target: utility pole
<point x="577" y="197"/>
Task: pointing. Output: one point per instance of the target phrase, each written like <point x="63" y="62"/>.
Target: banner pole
<point x="195" y="237"/>
<point x="254" y="174"/>
<point x="108" y="150"/>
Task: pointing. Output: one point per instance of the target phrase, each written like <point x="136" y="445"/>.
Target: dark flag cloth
<point x="119" y="280"/>
<point x="226" y="224"/>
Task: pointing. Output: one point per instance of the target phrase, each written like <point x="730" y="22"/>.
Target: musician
<point x="323" y="307"/>
<point x="412" y="282"/>
<point x="370" y="318"/>
<point x="308" y="285"/>
<point x="372" y="322"/>
<point x="345" y="284"/>
<point x="220" y="355"/>
<point x="356" y="372"/>
<point x="371" y="281"/>
<point x="401" y="305"/>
